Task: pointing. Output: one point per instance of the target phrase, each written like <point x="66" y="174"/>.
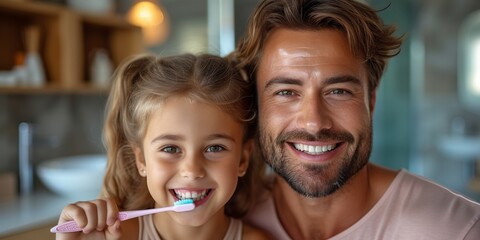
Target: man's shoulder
<point x="421" y="188"/>
<point x="414" y="207"/>
<point x="422" y="201"/>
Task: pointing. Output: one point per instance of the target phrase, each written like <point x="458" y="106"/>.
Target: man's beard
<point x="316" y="180"/>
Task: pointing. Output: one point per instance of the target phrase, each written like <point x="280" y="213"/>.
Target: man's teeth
<point x="314" y="150"/>
<point x="195" y="195"/>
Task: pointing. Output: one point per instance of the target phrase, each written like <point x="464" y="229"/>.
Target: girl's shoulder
<point x="250" y="232"/>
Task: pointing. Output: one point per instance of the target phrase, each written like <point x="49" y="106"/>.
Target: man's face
<point x="314" y="109"/>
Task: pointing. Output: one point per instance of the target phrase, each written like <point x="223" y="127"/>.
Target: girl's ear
<point x="140" y="161"/>
<point x="245" y="158"/>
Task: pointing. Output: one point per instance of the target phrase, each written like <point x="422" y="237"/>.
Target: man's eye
<point x="285" y="93"/>
<point x="215" y="148"/>
<point x="171" y="149"/>
<point x="339" y="91"/>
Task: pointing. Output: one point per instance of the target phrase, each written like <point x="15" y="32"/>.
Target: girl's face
<point x="192" y="150"/>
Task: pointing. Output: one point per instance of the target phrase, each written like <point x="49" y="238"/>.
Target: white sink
<point x="78" y="177"/>
<point x="461" y="148"/>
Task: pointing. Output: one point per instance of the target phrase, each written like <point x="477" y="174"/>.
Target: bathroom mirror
<point x="469" y="63"/>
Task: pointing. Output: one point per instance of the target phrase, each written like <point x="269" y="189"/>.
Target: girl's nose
<point x="192" y="168"/>
<point x="314" y="114"/>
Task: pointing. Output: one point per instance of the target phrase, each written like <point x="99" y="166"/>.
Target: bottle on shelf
<point x="33" y="60"/>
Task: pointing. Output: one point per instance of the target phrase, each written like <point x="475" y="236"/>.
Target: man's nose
<point x="314" y="114"/>
<point x="192" y="167"/>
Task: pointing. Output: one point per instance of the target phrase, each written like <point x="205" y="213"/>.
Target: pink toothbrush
<point x="182" y="205"/>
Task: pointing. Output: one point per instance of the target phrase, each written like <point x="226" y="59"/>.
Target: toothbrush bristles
<point x="183" y="201"/>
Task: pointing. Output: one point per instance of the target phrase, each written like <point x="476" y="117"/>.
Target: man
<point x="317" y="65"/>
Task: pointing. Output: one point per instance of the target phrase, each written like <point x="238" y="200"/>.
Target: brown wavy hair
<point x="139" y="87"/>
<point x="368" y="37"/>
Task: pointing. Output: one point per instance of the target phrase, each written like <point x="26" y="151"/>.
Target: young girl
<point x="176" y="127"/>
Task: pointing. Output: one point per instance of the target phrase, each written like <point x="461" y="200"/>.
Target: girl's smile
<point x="198" y="196"/>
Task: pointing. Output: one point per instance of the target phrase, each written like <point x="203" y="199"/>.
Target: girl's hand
<point x="97" y="218"/>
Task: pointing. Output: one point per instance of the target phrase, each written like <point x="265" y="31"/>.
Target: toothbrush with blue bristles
<point x="182" y="205"/>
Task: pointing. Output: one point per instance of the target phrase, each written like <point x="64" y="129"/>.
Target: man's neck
<point x="325" y="217"/>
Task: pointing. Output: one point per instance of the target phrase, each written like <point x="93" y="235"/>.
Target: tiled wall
<point x="417" y="98"/>
<point x="437" y="28"/>
<point x="63" y="125"/>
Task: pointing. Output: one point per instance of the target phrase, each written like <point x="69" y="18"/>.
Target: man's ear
<point x="245" y="158"/>
<point x="140" y="161"/>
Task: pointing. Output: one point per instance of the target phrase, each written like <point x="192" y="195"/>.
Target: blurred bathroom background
<point x="419" y="117"/>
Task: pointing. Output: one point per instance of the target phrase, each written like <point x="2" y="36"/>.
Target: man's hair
<point x="368" y="37"/>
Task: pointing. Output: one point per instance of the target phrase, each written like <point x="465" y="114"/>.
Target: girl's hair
<point x="139" y="87"/>
<point x="368" y="37"/>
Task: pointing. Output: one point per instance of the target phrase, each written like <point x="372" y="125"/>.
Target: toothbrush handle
<point x="71" y="226"/>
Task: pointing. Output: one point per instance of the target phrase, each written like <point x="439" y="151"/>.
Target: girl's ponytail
<point x="121" y="177"/>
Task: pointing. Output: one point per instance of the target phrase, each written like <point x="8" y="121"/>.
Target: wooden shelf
<point x="17" y="7"/>
<point x="53" y="90"/>
<point x="68" y="40"/>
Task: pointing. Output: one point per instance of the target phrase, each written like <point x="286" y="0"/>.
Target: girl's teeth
<point x="195" y="195"/>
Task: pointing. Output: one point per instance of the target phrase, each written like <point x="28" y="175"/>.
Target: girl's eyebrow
<point x="221" y="136"/>
<point x="173" y="137"/>
<point x="167" y="137"/>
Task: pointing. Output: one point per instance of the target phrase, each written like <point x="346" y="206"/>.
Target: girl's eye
<point x="170" y="149"/>
<point x="215" y="148"/>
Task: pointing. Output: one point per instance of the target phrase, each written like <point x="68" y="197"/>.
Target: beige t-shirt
<point x="147" y="230"/>
<point x="411" y="208"/>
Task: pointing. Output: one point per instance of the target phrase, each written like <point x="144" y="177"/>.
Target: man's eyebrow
<point x="328" y="81"/>
<point x="283" y="80"/>
<point x="343" y="79"/>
